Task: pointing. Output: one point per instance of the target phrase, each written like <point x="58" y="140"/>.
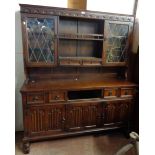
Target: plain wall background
<point x="119" y="6"/>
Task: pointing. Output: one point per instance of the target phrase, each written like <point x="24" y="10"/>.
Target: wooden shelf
<point x="97" y="37"/>
<point x="79" y="58"/>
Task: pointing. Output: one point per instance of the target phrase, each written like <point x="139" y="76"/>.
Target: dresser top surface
<point x="73" y="84"/>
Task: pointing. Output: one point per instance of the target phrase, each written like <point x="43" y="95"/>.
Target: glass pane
<point x="117" y="42"/>
<point x="40" y="39"/>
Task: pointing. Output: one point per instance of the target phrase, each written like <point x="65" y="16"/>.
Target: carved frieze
<point x="74" y="13"/>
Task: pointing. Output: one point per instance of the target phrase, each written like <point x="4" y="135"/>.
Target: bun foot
<point x="26" y="147"/>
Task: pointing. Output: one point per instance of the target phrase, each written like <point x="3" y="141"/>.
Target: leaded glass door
<point x="116" y="42"/>
<point x="41" y="40"/>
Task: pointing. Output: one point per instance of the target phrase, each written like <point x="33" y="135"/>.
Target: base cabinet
<point x="57" y="118"/>
<point x="62" y="117"/>
<point x="72" y="116"/>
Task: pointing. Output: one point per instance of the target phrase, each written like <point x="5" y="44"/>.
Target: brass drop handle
<point x="57" y="97"/>
<point x="35" y="98"/>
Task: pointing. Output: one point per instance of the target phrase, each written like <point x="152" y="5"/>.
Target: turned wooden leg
<point x="26" y="146"/>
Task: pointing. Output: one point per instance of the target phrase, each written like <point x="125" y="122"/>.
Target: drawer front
<point x="110" y="92"/>
<point x="91" y="62"/>
<point x="75" y="62"/>
<point x="56" y="96"/>
<point x="70" y="62"/>
<point x="35" y="98"/>
<point x="126" y="92"/>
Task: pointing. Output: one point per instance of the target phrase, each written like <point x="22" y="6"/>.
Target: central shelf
<point x="83" y="36"/>
<point x="80" y="58"/>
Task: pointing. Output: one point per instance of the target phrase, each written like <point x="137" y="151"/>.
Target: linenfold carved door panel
<point x="118" y="111"/>
<point x="56" y="117"/>
<point x="37" y="120"/>
<point x="83" y="116"/>
<point x="46" y="119"/>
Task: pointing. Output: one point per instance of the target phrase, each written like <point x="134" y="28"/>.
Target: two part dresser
<point x="76" y="67"/>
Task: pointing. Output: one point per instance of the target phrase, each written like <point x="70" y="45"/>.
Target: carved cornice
<point x="74" y="13"/>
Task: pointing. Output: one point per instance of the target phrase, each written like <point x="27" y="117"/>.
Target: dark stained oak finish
<point x="82" y="116"/>
<point x="118" y="111"/>
<point x="71" y="84"/>
<point x="75" y="63"/>
<point x="46" y="119"/>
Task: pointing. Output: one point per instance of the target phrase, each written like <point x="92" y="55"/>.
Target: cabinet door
<point x="118" y="112"/>
<point x="83" y="115"/>
<point x="56" y="118"/>
<point x="39" y="39"/>
<point x="116" y="35"/>
<point x="45" y="119"/>
<point x="36" y="120"/>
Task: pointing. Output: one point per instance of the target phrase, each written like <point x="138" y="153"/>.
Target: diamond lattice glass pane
<point x="117" y="42"/>
<point x="118" y="29"/>
<point x="32" y="57"/>
<point x="40" y="39"/>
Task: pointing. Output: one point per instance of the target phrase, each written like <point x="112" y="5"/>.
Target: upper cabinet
<point x="116" y="42"/>
<point x="40" y="39"/>
<point x="67" y="37"/>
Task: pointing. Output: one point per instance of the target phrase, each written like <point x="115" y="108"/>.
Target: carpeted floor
<point x="84" y="145"/>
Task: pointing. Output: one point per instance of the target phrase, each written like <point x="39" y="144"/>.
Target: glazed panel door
<point x="116" y="41"/>
<point x="39" y="40"/>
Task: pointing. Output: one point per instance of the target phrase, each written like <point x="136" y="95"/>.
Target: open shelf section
<point x="84" y="94"/>
<point x="80" y="48"/>
<point x="90" y="26"/>
<point x="80" y="26"/>
<point x="80" y="42"/>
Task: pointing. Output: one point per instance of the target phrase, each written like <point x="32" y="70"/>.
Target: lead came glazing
<point x="117" y="42"/>
<point x="40" y="39"/>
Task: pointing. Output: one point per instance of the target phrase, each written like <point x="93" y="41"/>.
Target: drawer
<point x="110" y="92"/>
<point x="35" y="98"/>
<point x="126" y="92"/>
<point x="92" y="62"/>
<point x="56" y="96"/>
<point x="75" y="62"/>
<point x="70" y="62"/>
